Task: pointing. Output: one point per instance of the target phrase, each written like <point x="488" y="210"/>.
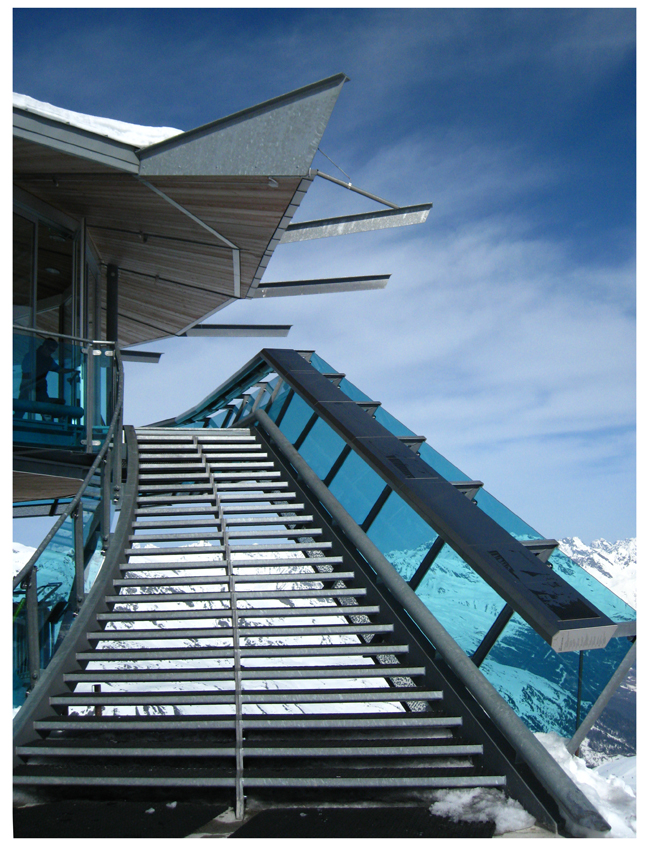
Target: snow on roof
<point x="120" y="131"/>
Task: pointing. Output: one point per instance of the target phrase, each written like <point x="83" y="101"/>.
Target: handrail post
<point x="79" y="565"/>
<point x="33" y="639"/>
<point x="106" y="469"/>
<point x="89" y="396"/>
<point x="117" y="461"/>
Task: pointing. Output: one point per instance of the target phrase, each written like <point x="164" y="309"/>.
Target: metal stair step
<point x="247" y="631"/>
<point x="173" y="550"/>
<point x="197" y="674"/>
<point x="79" y="748"/>
<point x="238" y="564"/>
<point x="243" y="613"/>
<point x="261" y="578"/>
<point x="248" y="697"/>
<point x="184" y="535"/>
<point x="185" y="653"/>
<point x="260" y="722"/>
<point x="234" y="547"/>
<point x="117" y="777"/>
<point x="209" y="596"/>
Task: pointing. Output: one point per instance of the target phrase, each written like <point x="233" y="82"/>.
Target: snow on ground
<point x="611" y="788"/>
<point x="120" y="131"/>
<point x="479" y="805"/>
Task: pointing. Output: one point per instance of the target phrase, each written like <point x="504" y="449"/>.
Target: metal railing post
<point x="79" y="565"/>
<point x="33" y="640"/>
<point x="117" y="461"/>
<point x="89" y="393"/>
<point x="106" y="470"/>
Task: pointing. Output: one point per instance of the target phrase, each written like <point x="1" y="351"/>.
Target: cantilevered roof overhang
<point x="191" y="222"/>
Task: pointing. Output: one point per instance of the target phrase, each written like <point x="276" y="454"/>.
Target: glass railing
<point x="55" y="574"/>
<point x="539" y="683"/>
<point x="63" y="390"/>
<point x="49" y="590"/>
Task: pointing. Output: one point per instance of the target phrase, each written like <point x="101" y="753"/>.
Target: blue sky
<point x="507" y="332"/>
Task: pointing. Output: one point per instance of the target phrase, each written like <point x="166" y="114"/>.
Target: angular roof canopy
<point x="191" y="221"/>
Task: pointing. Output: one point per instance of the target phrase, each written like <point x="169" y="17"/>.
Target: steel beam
<point x="324" y="285"/>
<point x="343" y="225"/>
<point x="237" y="330"/>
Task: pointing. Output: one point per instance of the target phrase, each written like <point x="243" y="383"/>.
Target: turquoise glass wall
<point x="540" y="684"/>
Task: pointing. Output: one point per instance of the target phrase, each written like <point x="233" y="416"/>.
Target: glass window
<point x="357" y="487"/>
<point x="462" y="601"/>
<point x="353" y="392"/>
<point x="393" y="425"/>
<point x="607" y="602"/>
<point x="94" y="302"/>
<point x="321" y="448"/>
<point x="295" y="418"/>
<point x="321" y="365"/>
<point x="442" y="466"/>
<point x="23" y="271"/>
<point x="401" y="535"/>
<point x="505" y="518"/>
<point x="540" y="684"/>
<point x="277" y="405"/>
<point x="54" y="279"/>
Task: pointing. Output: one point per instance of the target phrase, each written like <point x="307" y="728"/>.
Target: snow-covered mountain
<point x="613" y="564"/>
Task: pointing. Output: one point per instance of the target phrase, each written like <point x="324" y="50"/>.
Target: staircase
<point x="237" y="652"/>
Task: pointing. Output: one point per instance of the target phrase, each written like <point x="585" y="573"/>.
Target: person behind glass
<point x="44" y="364"/>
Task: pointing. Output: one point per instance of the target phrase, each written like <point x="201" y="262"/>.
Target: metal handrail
<point x="580" y="815"/>
<point x="26" y="570"/>
<point x="37" y="705"/>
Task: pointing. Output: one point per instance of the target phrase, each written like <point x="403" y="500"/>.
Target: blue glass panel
<point x="357" y="487"/>
<point x="277" y="405"/>
<point x="442" y="466"/>
<point x="607" y="602"/>
<point x="393" y="425"/>
<point x="247" y="406"/>
<point x="295" y="418"/>
<point x="321" y="448"/>
<point x="50" y="391"/>
<point x="55" y="576"/>
<point x="463" y="603"/>
<point x="353" y="392"/>
<point x="401" y="535"/>
<point x="321" y="365"/>
<point x="505" y="518"/>
<point x="540" y="684"/>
